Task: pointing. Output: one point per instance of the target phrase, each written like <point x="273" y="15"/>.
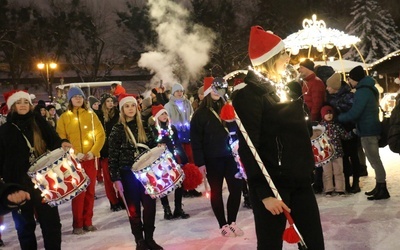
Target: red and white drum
<point x="157" y="170"/>
<point x="59" y="176"/>
<point x="321" y="146"/>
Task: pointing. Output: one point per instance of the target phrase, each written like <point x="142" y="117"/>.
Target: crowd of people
<point x="110" y="132"/>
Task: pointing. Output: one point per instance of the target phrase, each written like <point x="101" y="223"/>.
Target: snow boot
<point x="148" y="235"/>
<point x="167" y="213"/>
<point x="381" y="192"/>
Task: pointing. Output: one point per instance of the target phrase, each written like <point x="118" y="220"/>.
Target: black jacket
<point x="279" y="133"/>
<point x="208" y="136"/>
<point x="107" y="127"/>
<point x="122" y="153"/>
<point x="14" y="152"/>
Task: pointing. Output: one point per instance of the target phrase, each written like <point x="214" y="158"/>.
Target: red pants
<point x="82" y="205"/>
<point x="99" y="171"/>
<point x="108" y="184"/>
<point x="187" y="147"/>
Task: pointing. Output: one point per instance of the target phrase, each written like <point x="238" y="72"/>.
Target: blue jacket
<point x="365" y="109"/>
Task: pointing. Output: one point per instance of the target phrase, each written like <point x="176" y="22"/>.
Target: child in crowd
<point x="165" y="133"/>
<point x="334" y="168"/>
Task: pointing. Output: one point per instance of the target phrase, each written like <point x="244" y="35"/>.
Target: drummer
<point x="24" y="137"/>
<point x="130" y="137"/>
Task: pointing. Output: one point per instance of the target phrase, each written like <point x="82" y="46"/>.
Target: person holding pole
<point x="280" y="135"/>
<point x="128" y="139"/>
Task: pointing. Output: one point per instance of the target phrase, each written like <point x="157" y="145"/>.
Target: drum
<point x="157" y="170"/>
<point x="321" y="146"/>
<point x="59" y="176"/>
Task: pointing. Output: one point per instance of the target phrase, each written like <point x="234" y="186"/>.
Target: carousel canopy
<point x="316" y="34"/>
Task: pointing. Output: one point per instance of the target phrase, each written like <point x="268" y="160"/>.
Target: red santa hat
<point x="263" y="45"/>
<point x="207" y="85"/>
<point x="157" y="111"/>
<point x="124" y="98"/>
<point x="14" y="95"/>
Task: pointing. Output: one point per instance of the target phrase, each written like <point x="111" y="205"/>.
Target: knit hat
<point x="14" y="95"/>
<point x="50" y="106"/>
<point x="207" y="85"/>
<point x="357" y="73"/>
<point x="92" y="100"/>
<point x="124" y="98"/>
<point x="263" y="45"/>
<point x="157" y="111"/>
<point x="176" y="87"/>
<point x="308" y="64"/>
<point x="73" y="92"/>
<point x="326" y="110"/>
<point x="105" y="96"/>
<point x="335" y="81"/>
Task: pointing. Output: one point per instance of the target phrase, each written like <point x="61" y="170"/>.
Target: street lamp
<point x="50" y="65"/>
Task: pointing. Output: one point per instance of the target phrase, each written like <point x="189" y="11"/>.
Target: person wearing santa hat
<point x="212" y="153"/>
<point x="128" y="139"/>
<point x="166" y="134"/>
<point x="280" y="135"/>
<point x="83" y="129"/>
<point x="23" y="138"/>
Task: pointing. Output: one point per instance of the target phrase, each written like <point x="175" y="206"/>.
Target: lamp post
<point x="50" y="65"/>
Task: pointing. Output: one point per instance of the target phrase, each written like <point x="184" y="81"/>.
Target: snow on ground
<point x="349" y="223"/>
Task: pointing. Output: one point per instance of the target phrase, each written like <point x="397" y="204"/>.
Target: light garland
<point x="316" y="34"/>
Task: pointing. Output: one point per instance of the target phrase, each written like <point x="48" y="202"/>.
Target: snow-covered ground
<point x="350" y="223"/>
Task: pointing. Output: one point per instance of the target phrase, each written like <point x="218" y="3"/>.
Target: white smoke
<point x="183" y="47"/>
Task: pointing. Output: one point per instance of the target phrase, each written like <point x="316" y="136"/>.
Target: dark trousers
<point x="219" y="169"/>
<point x="49" y="220"/>
<point x="135" y="197"/>
<point x="351" y="162"/>
<point x="177" y="199"/>
<point x="304" y="211"/>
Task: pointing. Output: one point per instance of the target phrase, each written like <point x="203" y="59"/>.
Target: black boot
<point x="373" y="191"/>
<point x="356" y="186"/>
<point x="381" y="192"/>
<point x="347" y="183"/>
<point x="167" y="213"/>
<point x="141" y="244"/>
<point x="179" y="213"/>
<point x="148" y="235"/>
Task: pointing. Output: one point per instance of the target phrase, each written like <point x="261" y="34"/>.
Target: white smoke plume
<point x="183" y="47"/>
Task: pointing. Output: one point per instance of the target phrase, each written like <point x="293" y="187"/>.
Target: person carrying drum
<point x="24" y="137"/>
<point x="83" y="129"/>
<point x="128" y="139"/>
<point x="165" y="133"/>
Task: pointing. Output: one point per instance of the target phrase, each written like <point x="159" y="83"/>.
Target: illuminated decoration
<point x="316" y="34"/>
<point x="387" y="57"/>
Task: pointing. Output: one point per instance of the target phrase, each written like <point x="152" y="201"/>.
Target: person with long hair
<point x="83" y="129"/>
<point x="128" y="139"/>
<point x="212" y="153"/>
<point x="23" y="138"/>
<point x="109" y="116"/>
<point x="280" y="135"/>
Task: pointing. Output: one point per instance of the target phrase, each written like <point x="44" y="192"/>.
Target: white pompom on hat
<point x="263" y="45"/>
<point x="14" y="95"/>
<point x="124" y="98"/>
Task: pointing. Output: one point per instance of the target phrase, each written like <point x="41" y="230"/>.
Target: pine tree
<point x="376" y="28"/>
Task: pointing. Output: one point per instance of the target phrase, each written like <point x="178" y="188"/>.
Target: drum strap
<point x="134" y="141"/>
<point x="219" y="119"/>
<point x="32" y="156"/>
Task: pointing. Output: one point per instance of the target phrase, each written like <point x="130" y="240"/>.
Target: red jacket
<point x="314" y="95"/>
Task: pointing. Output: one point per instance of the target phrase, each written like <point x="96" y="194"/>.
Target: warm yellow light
<point x="40" y="65"/>
<point x="53" y="65"/>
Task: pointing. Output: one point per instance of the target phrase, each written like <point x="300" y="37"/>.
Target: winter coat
<point x="122" y="153"/>
<point x="173" y="144"/>
<point x="108" y="127"/>
<point x="83" y="129"/>
<point x="180" y="110"/>
<point x="209" y="138"/>
<point x="394" y="130"/>
<point x="14" y="151"/>
<point x="279" y="133"/>
<point x="336" y="133"/>
<point x="343" y="100"/>
<point x="365" y="109"/>
<point x="314" y="95"/>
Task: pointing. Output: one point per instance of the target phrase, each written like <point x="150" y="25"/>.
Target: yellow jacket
<point x="83" y="129"/>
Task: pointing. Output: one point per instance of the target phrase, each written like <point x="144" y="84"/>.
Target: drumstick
<point x="206" y="187"/>
<point x="123" y="200"/>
